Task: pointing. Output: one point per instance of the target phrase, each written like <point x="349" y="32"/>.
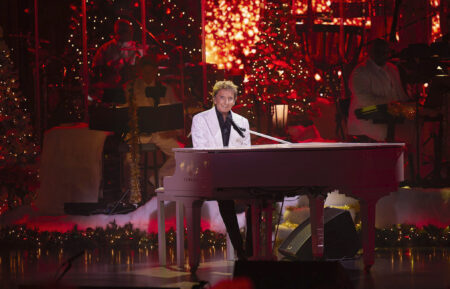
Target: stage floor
<point x="415" y="268"/>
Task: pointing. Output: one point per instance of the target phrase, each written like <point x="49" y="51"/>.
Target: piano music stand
<point x="150" y="119"/>
<point x="113" y="95"/>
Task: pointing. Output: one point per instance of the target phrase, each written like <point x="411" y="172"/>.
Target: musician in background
<point x="375" y="81"/>
<point x="219" y="127"/>
<point x="113" y="62"/>
<point x="147" y="90"/>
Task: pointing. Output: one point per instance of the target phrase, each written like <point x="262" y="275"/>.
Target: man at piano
<point x="147" y="90"/>
<point x="374" y="82"/>
<point x="220" y="127"/>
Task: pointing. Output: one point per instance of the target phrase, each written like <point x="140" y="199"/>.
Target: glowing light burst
<point x="321" y="5"/>
<point x="231" y="29"/>
<point x="435" y="3"/>
<point x="435" y="21"/>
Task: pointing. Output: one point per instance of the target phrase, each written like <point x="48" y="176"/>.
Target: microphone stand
<point x="148" y="32"/>
<point x="269" y="137"/>
<point x="264" y="136"/>
<point x="67" y="265"/>
<point x="417" y="123"/>
<point x="240" y="131"/>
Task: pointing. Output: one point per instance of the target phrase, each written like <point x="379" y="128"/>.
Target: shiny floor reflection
<point x="412" y="268"/>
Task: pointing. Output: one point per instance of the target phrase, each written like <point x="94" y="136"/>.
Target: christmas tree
<point x="276" y="72"/>
<point x="18" y="150"/>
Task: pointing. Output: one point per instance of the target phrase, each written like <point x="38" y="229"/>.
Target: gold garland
<point x="135" y="187"/>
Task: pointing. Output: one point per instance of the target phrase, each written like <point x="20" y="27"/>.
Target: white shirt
<point x="372" y="85"/>
<point x="206" y="132"/>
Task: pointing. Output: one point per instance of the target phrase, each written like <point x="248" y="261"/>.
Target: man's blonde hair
<point x="225" y="84"/>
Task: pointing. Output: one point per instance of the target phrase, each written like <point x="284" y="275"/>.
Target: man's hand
<point x="406" y="110"/>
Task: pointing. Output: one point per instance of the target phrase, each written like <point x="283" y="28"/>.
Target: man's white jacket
<point x="206" y="131"/>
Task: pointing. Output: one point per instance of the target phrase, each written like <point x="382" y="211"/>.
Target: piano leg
<point x="180" y="234"/>
<point x="256" y="213"/>
<point x="268" y="212"/>
<point x="193" y="214"/>
<point x="316" y="220"/>
<point x="368" y="232"/>
<point x="161" y="233"/>
<point x="230" y="249"/>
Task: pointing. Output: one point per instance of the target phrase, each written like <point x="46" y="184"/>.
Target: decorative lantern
<point x="279" y="117"/>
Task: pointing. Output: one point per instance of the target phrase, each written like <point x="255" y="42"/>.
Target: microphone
<point x="238" y="129"/>
<point x="67" y="265"/>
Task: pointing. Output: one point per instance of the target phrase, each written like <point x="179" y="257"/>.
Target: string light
<point x="111" y="237"/>
<point x="18" y="178"/>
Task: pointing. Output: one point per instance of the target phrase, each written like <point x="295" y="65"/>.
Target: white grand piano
<point x="367" y="171"/>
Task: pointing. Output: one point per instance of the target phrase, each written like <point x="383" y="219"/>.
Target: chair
<point x="144" y="149"/>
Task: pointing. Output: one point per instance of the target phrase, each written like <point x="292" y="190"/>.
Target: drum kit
<point x="57" y="77"/>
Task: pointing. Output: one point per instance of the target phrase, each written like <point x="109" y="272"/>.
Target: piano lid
<point x="296" y="146"/>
